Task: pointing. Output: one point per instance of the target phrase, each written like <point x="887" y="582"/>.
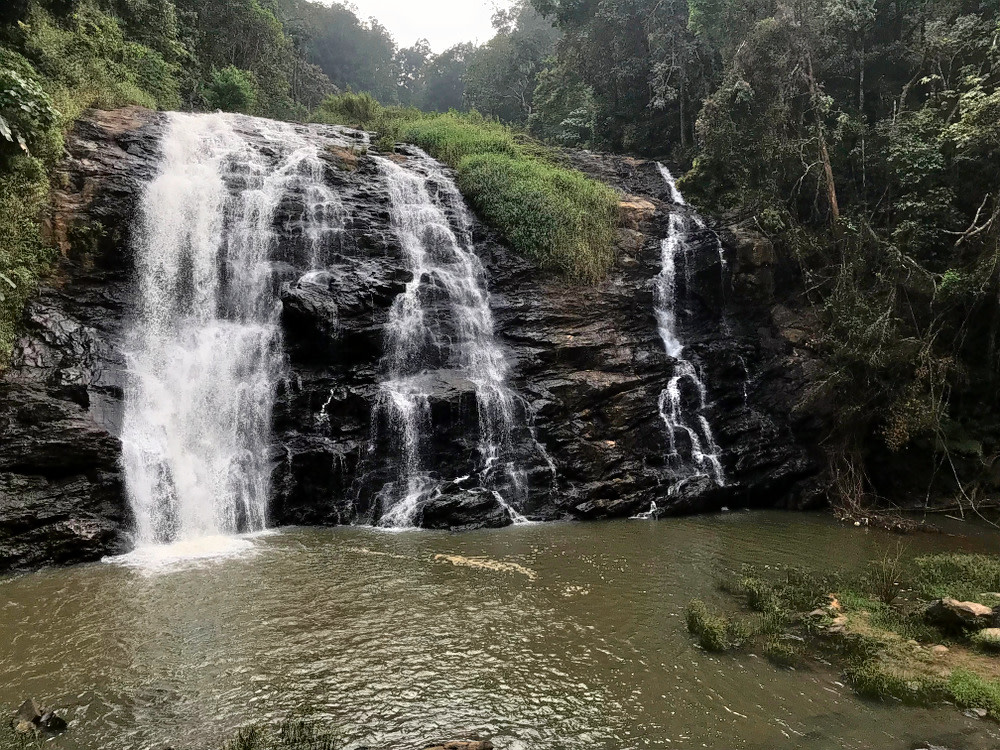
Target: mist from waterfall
<point x="205" y="354"/>
<point x="432" y="222"/>
<point x="693" y="450"/>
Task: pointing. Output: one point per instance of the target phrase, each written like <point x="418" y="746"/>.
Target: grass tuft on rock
<point x="552" y="215"/>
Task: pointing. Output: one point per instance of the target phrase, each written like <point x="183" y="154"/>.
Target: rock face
<point x="61" y="493"/>
<point x="587" y="365"/>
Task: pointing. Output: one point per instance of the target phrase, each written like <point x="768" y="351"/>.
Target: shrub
<point x="357" y="110"/>
<point x="26" y="112"/>
<point x="884" y="577"/>
<point x="555" y="216"/>
<point x="232" y="90"/>
<point x="781" y="653"/>
<point x="873" y="679"/>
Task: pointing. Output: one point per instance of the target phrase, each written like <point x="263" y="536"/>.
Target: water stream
<point x="441" y="327"/>
<point x="682" y="404"/>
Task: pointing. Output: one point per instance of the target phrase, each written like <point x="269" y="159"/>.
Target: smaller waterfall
<point x="693" y="449"/>
<point x="421" y="344"/>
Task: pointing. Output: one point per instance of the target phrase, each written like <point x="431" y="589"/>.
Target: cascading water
<point x="446" y="272"/>
<point x="206" y="346"/>
<point x="693" y="450"/>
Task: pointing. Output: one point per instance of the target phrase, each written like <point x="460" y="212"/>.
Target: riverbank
<point x="919" y="630"/>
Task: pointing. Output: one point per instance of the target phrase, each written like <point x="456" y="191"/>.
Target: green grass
<point x="959" y="576"/>
<point x="289" y="735"/>
<point x="555" y="216"/>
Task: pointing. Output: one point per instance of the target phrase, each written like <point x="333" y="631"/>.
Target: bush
<point x="873" y="679"/>
<point x="26" y="112"/>
<point x="781" y="653"/>
<point x="232" y="90"/>
<point x="556" y="217"/>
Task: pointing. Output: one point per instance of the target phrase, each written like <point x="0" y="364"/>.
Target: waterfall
<point x="693" y="450"/>
<point x="205" y="353"/>
<point x="446" y="274"/>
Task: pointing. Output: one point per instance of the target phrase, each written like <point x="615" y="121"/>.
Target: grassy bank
<point x="874" y="625"/>
<point x="555" y="216"/>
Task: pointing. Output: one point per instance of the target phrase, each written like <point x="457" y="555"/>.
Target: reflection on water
<point x="545" y="636"/>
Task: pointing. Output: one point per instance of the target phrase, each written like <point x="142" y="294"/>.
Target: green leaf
<point x="5" y="129"/>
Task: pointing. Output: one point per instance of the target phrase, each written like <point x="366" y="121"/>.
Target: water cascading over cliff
<point x="682" y="404"/>
<point x="205" y="353"/>
<point x="441" y="328"/>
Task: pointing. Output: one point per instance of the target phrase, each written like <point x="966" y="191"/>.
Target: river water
<point x="555" y="636"/>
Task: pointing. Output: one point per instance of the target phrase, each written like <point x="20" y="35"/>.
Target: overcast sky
<point x="442" y="22"/>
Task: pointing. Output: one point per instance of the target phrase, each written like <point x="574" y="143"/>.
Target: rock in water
<point x="51" y="722"/>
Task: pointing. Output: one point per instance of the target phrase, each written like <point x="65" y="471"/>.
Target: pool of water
<point x="541" y="637"/>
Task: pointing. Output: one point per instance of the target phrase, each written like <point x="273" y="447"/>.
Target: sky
<point x="442" y="22"/>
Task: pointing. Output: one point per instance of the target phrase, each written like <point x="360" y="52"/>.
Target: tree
<point x="502" y="75"/>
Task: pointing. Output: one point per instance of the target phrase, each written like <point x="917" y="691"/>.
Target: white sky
<point x="442" y="22"/>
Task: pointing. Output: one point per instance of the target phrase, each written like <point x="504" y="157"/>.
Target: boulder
<point x="28" y="711"/>
<point x="952" y="614"/>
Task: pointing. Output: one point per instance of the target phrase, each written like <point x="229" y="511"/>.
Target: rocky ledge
<point x="587" y="364"/>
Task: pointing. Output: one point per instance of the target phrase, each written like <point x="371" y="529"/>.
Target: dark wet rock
<point x="587" y="364"/>
<point x="953" y="615"/>
<point x="462" y="745"/>
<point x="461" y="509"/>
<point x="28" y="711"/>
<point x="50" y="721"/>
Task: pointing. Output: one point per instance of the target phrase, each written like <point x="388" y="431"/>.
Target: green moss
<point x="987" y="640"/>
<point x="969" y="690"/>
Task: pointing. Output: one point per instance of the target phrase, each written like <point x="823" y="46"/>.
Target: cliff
<point x="587" y="364"/>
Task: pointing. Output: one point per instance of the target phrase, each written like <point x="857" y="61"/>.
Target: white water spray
<point x="693" y="449"/>
<point x="206" y="346"/>
<point x="446" y="270"/>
